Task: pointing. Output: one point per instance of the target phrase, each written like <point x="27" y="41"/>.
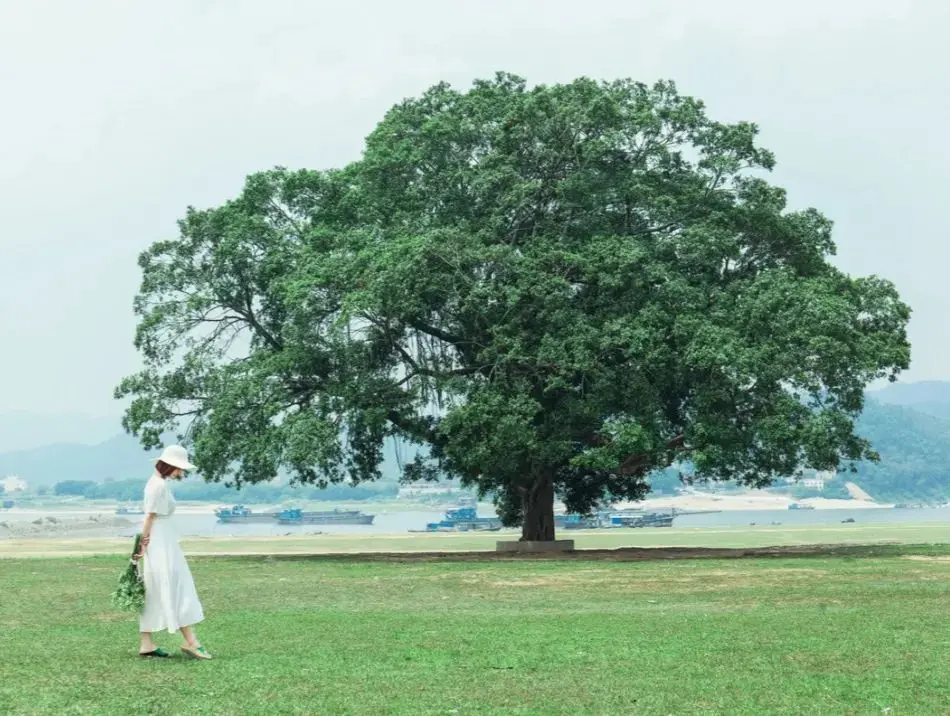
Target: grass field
<point x="859" y="634"/>
<point x="730" y="537"/>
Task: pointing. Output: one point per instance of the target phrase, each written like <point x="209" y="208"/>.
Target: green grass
<point x="737" y="537"/>
<point x="816" y="635"/>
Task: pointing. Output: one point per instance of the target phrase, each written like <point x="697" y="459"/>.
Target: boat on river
<point x="463" y="519"/>
<point x="599" y="520"/>
<point x="122" y="510"/>
<point x="295" y="516"/>
<point x="648" y="519"/>
<point x="239" y="514"/>
<point x="629" y="518"/>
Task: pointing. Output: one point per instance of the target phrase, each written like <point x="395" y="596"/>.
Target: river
<point x="205" y="524"/>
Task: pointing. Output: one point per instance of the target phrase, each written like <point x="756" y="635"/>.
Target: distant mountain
<point x="119" y="458"/>
<point x="25" y="431"/>
<point x="927" y="391"/>
<point x="122" y="458"/>
<point x="905" y="426"/>
<point x="915" y="453"/>
<point x="908" y="424"/>
<point x="931" y="397"/>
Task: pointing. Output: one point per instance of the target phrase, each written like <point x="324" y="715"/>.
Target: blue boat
<point x="464" y="519"/>
<point x="295" y="516"/>
<point x="582" y="522"/>
<point x="129" y="511"/>
<point x="242" y="515"/>
<point x="650" y="519"/>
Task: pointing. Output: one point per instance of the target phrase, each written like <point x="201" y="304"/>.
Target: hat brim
<point x="186" y="466"/>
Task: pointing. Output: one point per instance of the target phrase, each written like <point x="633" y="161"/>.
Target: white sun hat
<point x="176" y="456"/>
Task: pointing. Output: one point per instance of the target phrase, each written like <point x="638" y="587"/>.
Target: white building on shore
<point x="427" y="489"/>
<point x="13" y="484"/>
<point x="814" y="480"/>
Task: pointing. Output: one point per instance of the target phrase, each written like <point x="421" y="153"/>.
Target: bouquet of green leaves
<point x="130" y="594"/>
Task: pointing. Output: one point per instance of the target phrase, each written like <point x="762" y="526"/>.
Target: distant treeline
<point x="131" y="491"/>
<point x="914" y="467"/>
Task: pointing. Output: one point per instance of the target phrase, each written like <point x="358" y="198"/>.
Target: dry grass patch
<point x="927" y="558"/>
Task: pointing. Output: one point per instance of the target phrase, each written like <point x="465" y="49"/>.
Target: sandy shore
<point x="741" y="537"/>
<point x="96" y="511"/>
<point x="48" y="526"/>
<point x="746" y="501"/>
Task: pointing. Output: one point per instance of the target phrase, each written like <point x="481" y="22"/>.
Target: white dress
<point x="171" y="601"/>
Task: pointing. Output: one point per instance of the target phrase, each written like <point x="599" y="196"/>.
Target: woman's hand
<point x="143" y="544"/>
<point x="146" y="535"/>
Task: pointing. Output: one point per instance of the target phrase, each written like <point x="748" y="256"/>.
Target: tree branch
<point x="290" y="220"/>
<point x="426" y="373"/>
<point x="639" y="463"/>
<point x="248" y="315"/>
<point x="436" y="333"/>
<point x="414" y="427"/>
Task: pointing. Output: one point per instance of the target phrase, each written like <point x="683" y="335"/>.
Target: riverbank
<point x="695" y="500"/>
<point x="184" y="507"/>
<point x="759" y="536"/>
<point x="46" y="526"/>
<point x="747" y="501"/>
<point x="708" y="510"/>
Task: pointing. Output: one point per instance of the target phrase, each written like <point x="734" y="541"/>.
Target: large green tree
<point x="557" y="289"/>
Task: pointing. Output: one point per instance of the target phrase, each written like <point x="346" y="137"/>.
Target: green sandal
<point x="199" y="653"/>
<point x="157" y="653"/>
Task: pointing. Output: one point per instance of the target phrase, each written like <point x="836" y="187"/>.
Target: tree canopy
<point x="555" y="289"/>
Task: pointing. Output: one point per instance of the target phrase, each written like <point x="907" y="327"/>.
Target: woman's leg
<point x="190" y="637"/>
<point x="145" y="642"/>
<point x="193" y="647"/>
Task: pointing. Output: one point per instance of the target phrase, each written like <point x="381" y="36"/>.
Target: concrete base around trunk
<point x="559" y="545"/>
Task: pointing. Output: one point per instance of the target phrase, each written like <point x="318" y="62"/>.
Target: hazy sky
<point x="114" y="116"/>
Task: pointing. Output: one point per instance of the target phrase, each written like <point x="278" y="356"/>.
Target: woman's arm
<point x="146" y="533"/>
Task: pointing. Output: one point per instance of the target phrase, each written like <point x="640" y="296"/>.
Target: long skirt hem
<point x="171" y="601"/>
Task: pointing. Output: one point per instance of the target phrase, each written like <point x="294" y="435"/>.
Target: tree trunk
<point x="538" y="509"/>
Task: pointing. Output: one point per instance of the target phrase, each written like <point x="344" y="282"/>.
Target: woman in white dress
<point x="171" y="602"/>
